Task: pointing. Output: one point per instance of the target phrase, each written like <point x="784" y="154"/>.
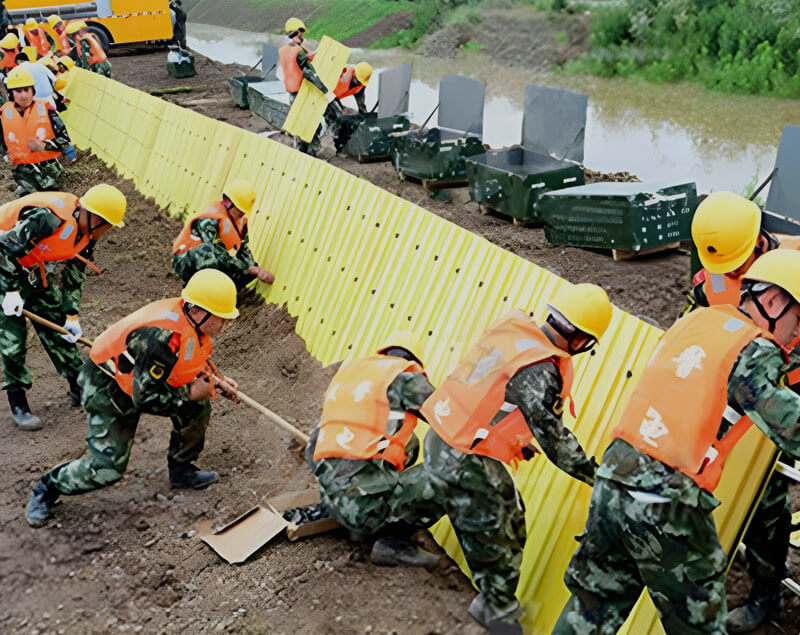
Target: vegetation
<point x="741" y="46"/>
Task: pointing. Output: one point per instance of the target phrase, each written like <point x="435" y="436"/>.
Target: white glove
<point x="330" y="96"/>
<point x="74" y="327"/>
<point x="13" y="303"/>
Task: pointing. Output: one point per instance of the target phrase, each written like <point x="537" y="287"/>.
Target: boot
<point x="187" y="476"/>
<point x="74" y="391"/>
<point x="503" y="623"/>
<point x="394" y="552"/>
<point x="24" y="419"/>
<point x="760" y="607"/>
<point x="42" y="498"/>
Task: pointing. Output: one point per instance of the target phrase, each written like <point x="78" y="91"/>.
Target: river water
<point x="660" y="132"/>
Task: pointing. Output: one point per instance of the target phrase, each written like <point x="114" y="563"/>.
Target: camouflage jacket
<point x="308" y="70"/>
<point x="59" y="142"/>
<point x="34" y="225"/>
<point x="536" y="391"/>
<point x="155" y="357"/>
<point x="236" y="266"/>
<point x="755" y="388"/>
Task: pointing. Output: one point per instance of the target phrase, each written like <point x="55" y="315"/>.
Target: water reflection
<point x="673" y="132"/>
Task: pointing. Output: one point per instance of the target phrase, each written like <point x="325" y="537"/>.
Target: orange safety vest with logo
<point x="96" y="53"/>
<point x="18" y="129"/>
<point x="676" y="409"/>
<point x="39" y="41"/>
<point x="343" y="88"/>
<point x="356" y="413"/>
<point x="469" y="411"/>
<point x="292" y="73"/>
<point x="193" y="351"/>
<point x="61" y="244"/>
<point x="230" y="232"/>
<point x="7" y="62"/>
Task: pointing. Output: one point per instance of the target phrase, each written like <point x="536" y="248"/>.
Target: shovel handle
<point x="60" y="329"/>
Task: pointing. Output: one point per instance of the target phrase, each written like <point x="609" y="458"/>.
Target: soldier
<point x="727" y="231"/>
<point x="714" y="373"/>
<point x="510" y="387"/>
<point x="352" y="82"/>
<point x="33" y="136"/>
<point x="62" y="44"/>
<point x="36" y="37"/>
<point x="364" y="449"/>
<point x="217" y="239"/>
<point x="9" y="47"/>
<point x="87" y="51"/>
<point x="154" y="361"/>
<point x="40" y="231"/>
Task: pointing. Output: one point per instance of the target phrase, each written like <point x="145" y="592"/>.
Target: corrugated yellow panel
<point x="354" y="262"/>
<point x="308" y="107"/>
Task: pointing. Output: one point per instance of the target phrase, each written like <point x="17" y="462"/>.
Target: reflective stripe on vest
<point x="19" y="129"/>
<point x="63" y="42"/>
<point x="292" y="73"/>
<point x="343" y="88"/>
<point x="96" y="52"/>
<point x="469" y="411"/>
<point x="61" y="244"/>
<point x="192" y="354"/>
<point x="722" y="289"/>
<point x="675" y="411"/>
<point x="356" y="413"/>
<point x="230" y="232"/>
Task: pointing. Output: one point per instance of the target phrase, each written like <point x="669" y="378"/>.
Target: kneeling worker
<point x="714" y="373"/>
<point x="217" y="239"/>
<point x="364" y="449"/>
<point x="511" y="387"/>
<point x="154" y="361"/>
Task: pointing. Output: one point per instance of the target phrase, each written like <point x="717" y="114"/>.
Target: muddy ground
<point x="126" y="558"/>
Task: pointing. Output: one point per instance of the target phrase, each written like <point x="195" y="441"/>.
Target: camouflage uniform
<point x="670" y="545"/>
<point x="211" y="254"/>
<point x="343" y="130"/>
<point x="37" y="177"/>
<point x="54" y="301"/>
<point x="481" y="499"/>
<point x="368" y="497"/>
<point x="82" y="59"/>
<point x="311" y="75"/>
<point x="113" y="415"/>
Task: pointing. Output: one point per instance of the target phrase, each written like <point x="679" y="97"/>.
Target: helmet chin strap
<point x="186" y="308"/>
<point x="569" y="333"/>
<point x="771" y="321"/>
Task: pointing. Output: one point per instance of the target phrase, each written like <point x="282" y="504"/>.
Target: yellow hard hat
<point x="585" y="306"/>
<point x="19" y="78"/>
<point x="725" y="230"/>
<point x="30" y="52"/>
<point x="60" y="83"/>
<point x="412" y="342"/>
<point x="780" y="267"/>
<point x="294" y="24"/>
<point x="363" y="72"/>
<point x="75" y="26"/>
<point x="214" y="291"/>
<point x="107" y="202"/>
<point x="67" y="61"/>
<point x="30" y="25"/>
<point x="241" y="194"/>
<point x="52" y="20"/>
<point x="9" y="42"/>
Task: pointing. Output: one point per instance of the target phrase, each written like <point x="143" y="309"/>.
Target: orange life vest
<point x="469" y="411"/>
<point x="61" y="244"/>
<point x="7" y="62"/>
<point x="39" y="41"/>
<point x="193" y="352"/>
<point x="676" y="409"/>
<point x="343" y="88"/>
<point x="18" y="129"/>
<point x="96" y="53"/>
<point x="292" y="73"/>
<point x="230" y="232"/>
<point x="356" y="413"/>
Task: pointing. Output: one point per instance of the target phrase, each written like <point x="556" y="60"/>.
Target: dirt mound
<point x="384" y="26"/>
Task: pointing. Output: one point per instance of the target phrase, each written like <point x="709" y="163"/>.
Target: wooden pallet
<point x="627" y="254"/>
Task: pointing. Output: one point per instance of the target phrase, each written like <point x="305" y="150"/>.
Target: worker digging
<point x="476" y="391"/>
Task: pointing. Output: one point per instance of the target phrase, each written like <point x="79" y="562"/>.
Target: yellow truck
<point x="113" y="21"/>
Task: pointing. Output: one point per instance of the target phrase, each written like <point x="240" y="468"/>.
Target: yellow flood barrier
<point x="353" y="262"/>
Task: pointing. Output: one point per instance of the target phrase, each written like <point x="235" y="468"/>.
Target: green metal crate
<point x="426" y="157"/>
<point x="180" y="63"/>
<point x="272" y="108"/>
<point x="238" y="87"/>
<point x="630" y="216"/>
<point x="511" y="180"/>
<point x="370" y="137"/>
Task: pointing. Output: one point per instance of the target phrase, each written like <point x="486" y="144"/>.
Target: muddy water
<point x="674" y="132"/>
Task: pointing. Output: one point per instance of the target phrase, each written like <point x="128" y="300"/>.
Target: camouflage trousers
<point x="103" y="68"/>
<point x="767" y="537"/>
<point x="670" y="547"/>
<point x="45" y="302"/>
<point x="312" y="148"/>
<point x="202" y="257"/>
<point x="37" y="177"/>
<point x="112" y="419"/>
<point x="481" y="500"/>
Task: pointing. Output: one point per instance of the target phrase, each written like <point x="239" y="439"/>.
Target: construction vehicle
<point x="112" y="21"/>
